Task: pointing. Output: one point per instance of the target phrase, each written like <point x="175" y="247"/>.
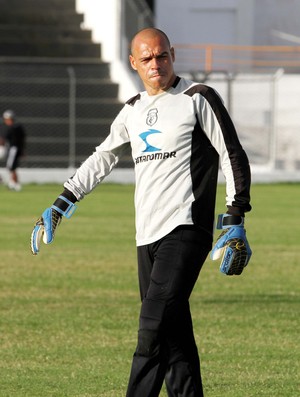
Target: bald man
<point x="178" y="132"/>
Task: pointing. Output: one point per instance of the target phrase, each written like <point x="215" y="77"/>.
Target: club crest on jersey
<point x="152" y="117"/>
<point x="144" y="136"/>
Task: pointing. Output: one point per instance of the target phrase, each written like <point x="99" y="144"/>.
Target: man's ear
<point x="132" y="62"/>
<point x="172" y="53"/>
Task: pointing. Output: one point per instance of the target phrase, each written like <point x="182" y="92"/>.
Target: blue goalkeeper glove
<point x="46" y="225"/>
<point x="232" y="245"/>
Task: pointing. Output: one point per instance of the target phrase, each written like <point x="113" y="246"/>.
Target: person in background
<point x="179" y="131"/>
<point x="14" y="137"/>
<point x="2" y="152"/>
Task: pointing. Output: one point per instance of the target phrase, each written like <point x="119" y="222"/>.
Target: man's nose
<point x="155" y="63"/>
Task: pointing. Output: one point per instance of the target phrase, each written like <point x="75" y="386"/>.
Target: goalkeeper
<point x="179" y="132"/>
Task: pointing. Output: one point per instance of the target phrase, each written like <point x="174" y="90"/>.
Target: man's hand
<point x="46" y="225"/>
<point x="44" y="229"/>
<point x="232" y="244"/>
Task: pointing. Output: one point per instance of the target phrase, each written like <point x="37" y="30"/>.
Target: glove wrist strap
<point x="64" y="206"/>
<point x="225" y="221"/>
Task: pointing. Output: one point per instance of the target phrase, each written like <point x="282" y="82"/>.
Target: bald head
<point x="148" y="34"/>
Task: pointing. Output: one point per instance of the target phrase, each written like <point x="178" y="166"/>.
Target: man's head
<point x="9" y="117"/>
<point x="152" y="57"/>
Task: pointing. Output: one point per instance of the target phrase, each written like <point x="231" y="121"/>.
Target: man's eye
<point x="162" y="56"/>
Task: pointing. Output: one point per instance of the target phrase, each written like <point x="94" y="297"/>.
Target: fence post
<point x="208" y="59"/>
<point x="230" y="78"/>
<point x="273" y="137"/>
<point x="72" y="116"/>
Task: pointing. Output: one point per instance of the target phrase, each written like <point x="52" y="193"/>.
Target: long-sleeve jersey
<point x="178" y="139"/>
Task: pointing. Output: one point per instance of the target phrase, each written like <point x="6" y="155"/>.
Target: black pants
<point x="166" y="348"/>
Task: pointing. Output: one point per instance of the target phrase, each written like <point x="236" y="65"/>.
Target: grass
<point x="68" y="317"/>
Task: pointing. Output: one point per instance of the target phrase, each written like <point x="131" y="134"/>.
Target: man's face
<point x="153" y="59"/>
<point x="8" y="121"/>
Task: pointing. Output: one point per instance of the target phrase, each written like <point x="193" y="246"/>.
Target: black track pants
<point x="166" y="349"/>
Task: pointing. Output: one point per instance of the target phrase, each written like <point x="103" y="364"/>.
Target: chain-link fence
<point x="265" y="111"/>
<point x="249" y="101"/>
<point x="66" y="109"/>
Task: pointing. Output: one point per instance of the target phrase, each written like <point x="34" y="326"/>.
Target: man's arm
<point x="218" y="126"/>
<point x="232" y="244"/>
<point x="95" y="168"/>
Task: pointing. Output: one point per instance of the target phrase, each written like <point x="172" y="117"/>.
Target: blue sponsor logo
<point x="144" y="136"/>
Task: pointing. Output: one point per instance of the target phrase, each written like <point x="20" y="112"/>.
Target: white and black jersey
<point x="177" y="139"/>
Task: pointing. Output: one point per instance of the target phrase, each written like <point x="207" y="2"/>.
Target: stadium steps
<point x="39" y="68"/>
<point x="58" y="88"/>
<point x="34" y="4"/>
<point x="40" y="98"/>
<point x="50" y="49"/>
<point x="13" y="33"/>
<point x="40" y="17"/>
<point x="43" y="49"/>
<point x="55" y="108"/>
<point x="44" y="28"/>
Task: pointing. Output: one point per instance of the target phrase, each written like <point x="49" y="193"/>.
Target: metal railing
<point x="264" y="109"/>
<point x="237" y="58"/>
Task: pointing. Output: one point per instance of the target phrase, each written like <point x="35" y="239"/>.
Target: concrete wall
<point x="206" y="21"/>
<point x="276" y="22"/>
<point x="245" y="22"/>
<point x="104" y="19"/>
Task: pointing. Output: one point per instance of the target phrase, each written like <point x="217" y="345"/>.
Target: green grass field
<point x="68" y="317"/>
